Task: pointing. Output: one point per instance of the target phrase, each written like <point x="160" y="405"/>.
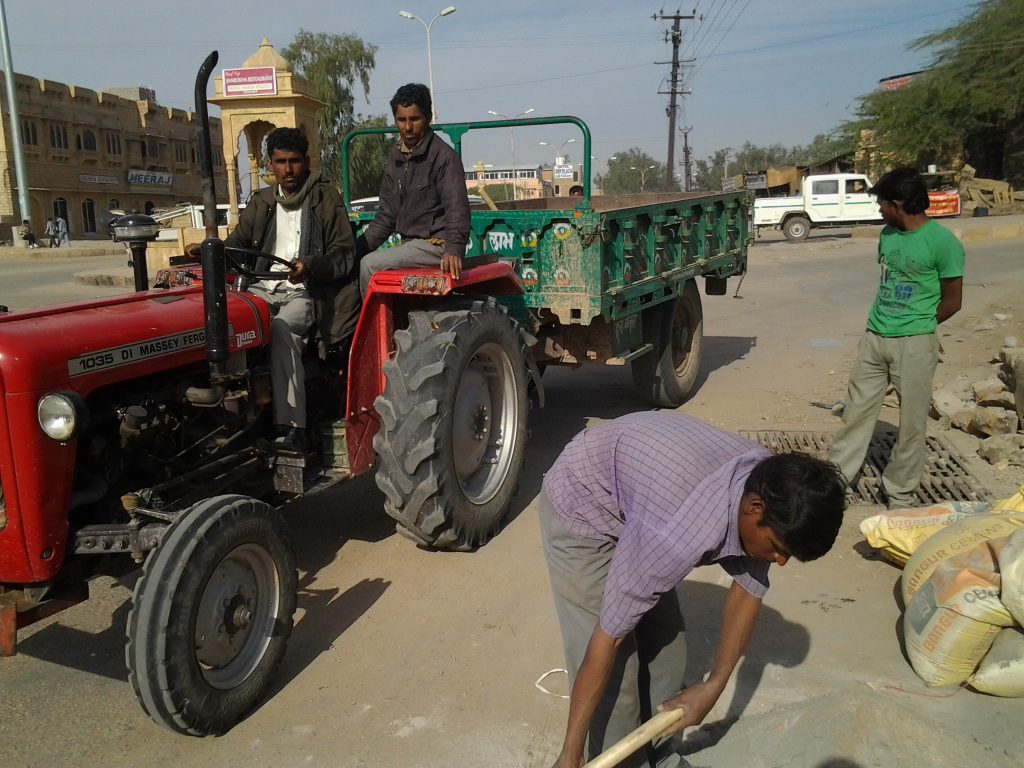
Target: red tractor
<point x="136" y="430"/>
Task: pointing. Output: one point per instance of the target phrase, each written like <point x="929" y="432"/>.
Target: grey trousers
<point x="408" y="253"/>
<point x="651" y="663"/>
<point x="908" y="362"/>
<point x="292" y="317"/>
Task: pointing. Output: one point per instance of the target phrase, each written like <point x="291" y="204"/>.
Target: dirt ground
<point x="402" y="657"/>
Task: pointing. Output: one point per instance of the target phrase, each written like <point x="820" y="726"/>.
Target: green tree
<point x="967" y="107"/>
<point x="632" y="171"/>
<point x="336" y="66"/>
<point x="367" y="157"/>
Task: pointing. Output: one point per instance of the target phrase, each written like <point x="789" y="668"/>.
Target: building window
<point x="28" y="133"/>
<point x="113" y="204"/>
<point x="58" y="137"/>
<point x="113" y="144"/>
<point x="193" y="155"/>
<point x="180" y="154"/>
<point x="88" y="141"/>
<point x="149" y="207"/>
<point x="151" y="149"/>
<point x="89" y="215"/>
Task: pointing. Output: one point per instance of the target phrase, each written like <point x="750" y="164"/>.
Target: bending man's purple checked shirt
<point x="666" y="488"/>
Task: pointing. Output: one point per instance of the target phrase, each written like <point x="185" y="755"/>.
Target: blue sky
<point x="765" y="71"/>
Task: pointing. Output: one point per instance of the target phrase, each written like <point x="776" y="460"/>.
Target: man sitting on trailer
<point x="621" y="528"/>
<point x="301" y="219"/>
<point x="422" y="197"/>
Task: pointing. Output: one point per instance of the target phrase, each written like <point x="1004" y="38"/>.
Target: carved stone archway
<point x="262" y="94"/>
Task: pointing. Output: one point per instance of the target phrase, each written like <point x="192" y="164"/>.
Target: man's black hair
<point x="905" y="185"/>
<point x="804" y="500"/>
<point x="288" y="140"/>
<point x="414" y="94"/>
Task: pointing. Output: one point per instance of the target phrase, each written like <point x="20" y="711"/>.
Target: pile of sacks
<point x="992" y="408"/>
<point x="962" y="589"/>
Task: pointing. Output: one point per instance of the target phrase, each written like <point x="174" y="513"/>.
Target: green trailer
<point x="608" y="279"/>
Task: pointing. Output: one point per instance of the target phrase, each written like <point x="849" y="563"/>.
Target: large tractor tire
<point x="211" y="615"/>
<point x="666" y="375"/>
<point x="453" y="424"/>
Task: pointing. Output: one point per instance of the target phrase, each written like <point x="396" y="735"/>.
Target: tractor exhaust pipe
<point x="211" y="255"/>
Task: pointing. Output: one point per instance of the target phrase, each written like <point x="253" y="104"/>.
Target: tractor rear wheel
<point x="211" y="615"/>
<point x="665" y="376"/>
<point x="453" y="424"/>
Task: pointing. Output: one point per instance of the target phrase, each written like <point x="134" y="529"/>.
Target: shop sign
<point x="150" y="178"/>
<point x="250" y="81"/>
<point x="88" y="178"/>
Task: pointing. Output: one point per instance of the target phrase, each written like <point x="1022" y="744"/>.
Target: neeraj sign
<point x="250" y="81"/>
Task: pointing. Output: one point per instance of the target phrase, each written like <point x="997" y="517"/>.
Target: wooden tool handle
<point x="632" y="741"/>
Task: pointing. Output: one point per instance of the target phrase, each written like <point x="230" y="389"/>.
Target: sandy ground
<point x="402" y="657"/>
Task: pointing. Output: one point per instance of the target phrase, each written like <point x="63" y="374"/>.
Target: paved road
<point x="402" y="657"/>
<point x="30" y="283"/>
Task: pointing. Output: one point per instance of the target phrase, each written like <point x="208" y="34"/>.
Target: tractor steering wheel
<point x="247" y="256"/>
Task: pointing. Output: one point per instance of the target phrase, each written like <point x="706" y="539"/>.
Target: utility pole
<point x="687" y="175"/>
<point x="674" y="88"/>
<point x="15" y="128"/>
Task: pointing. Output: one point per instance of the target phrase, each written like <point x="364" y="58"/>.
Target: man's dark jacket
<point x="423" y="197"/>
<point x="326" y="248"/>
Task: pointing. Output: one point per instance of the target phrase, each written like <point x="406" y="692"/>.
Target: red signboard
<point x="250" y="81"/>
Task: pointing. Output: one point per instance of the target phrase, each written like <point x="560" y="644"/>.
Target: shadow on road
<point x="776" y="640"/>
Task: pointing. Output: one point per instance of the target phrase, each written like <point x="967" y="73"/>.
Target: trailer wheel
<point x="665" y="376"/>
<point x="796" y="228"/>
<point x="211" y="615"/>
<point x="453" y="424"/>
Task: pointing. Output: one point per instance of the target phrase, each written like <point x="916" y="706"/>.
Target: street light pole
<point x="15" y="128"/>
<point x="430" y="62"/>
<point x="512" y="141"/>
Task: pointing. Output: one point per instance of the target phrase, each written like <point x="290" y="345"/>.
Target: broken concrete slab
<point x="986" y="388"/>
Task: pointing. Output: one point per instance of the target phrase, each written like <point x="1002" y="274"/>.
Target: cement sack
<point x="954" y="616"/>
<point x="898" y="533"/>
<point x="955" y="539"/>
<point x="1014" y="504"/>
<point x="1011" y="569"/>
<point x="1001" y="672"/>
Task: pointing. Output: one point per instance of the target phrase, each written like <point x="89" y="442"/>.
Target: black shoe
<point x="293" y="439"/>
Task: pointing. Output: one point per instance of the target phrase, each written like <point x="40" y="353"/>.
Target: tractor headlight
<point x="61" y="415"/>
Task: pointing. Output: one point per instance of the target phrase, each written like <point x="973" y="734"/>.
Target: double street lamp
<point x="512" y="141"/>
<point x="430" y="64"/>
<point x="643" y="174"/>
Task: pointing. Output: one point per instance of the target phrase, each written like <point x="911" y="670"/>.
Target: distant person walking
<point x="51" y="233"/>
<point x="921" y="285"/>
<point x="62" y="232"/>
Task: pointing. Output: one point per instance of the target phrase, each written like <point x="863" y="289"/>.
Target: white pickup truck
<point x="831" y="200"/>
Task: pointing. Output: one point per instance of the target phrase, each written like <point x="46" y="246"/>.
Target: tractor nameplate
<point x="127" y="354"/>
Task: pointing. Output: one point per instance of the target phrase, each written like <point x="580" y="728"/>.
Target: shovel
<point x="632" y="741"/>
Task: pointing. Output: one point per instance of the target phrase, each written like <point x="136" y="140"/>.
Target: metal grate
<point x="945" y="476"/>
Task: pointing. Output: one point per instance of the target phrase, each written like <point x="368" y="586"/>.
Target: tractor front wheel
<point x="211" y="615"/>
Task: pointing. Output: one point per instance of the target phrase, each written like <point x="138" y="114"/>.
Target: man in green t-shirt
<point x="921" y="286"/>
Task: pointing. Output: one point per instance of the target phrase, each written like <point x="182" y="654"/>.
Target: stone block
<point x="986" y="388"/>
<point x="1003" y="448"/>
<point x="994" y="421"/>
<point x="952" y="410"/>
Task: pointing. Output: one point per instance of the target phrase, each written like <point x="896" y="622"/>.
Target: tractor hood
<point x="86" y="345"/>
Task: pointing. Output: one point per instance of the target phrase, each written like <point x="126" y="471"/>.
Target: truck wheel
<point x="211" y="615"/>
<point x="665" y="375"/>
<point x="796" y="228"/>
<point x="453" y="424"/>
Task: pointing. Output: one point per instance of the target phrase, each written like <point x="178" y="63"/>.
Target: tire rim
<point x="797" y="230"/>
<point x="681" y="338"/>
<point x="484" y="419"/>
<point x="236" y="616"/>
